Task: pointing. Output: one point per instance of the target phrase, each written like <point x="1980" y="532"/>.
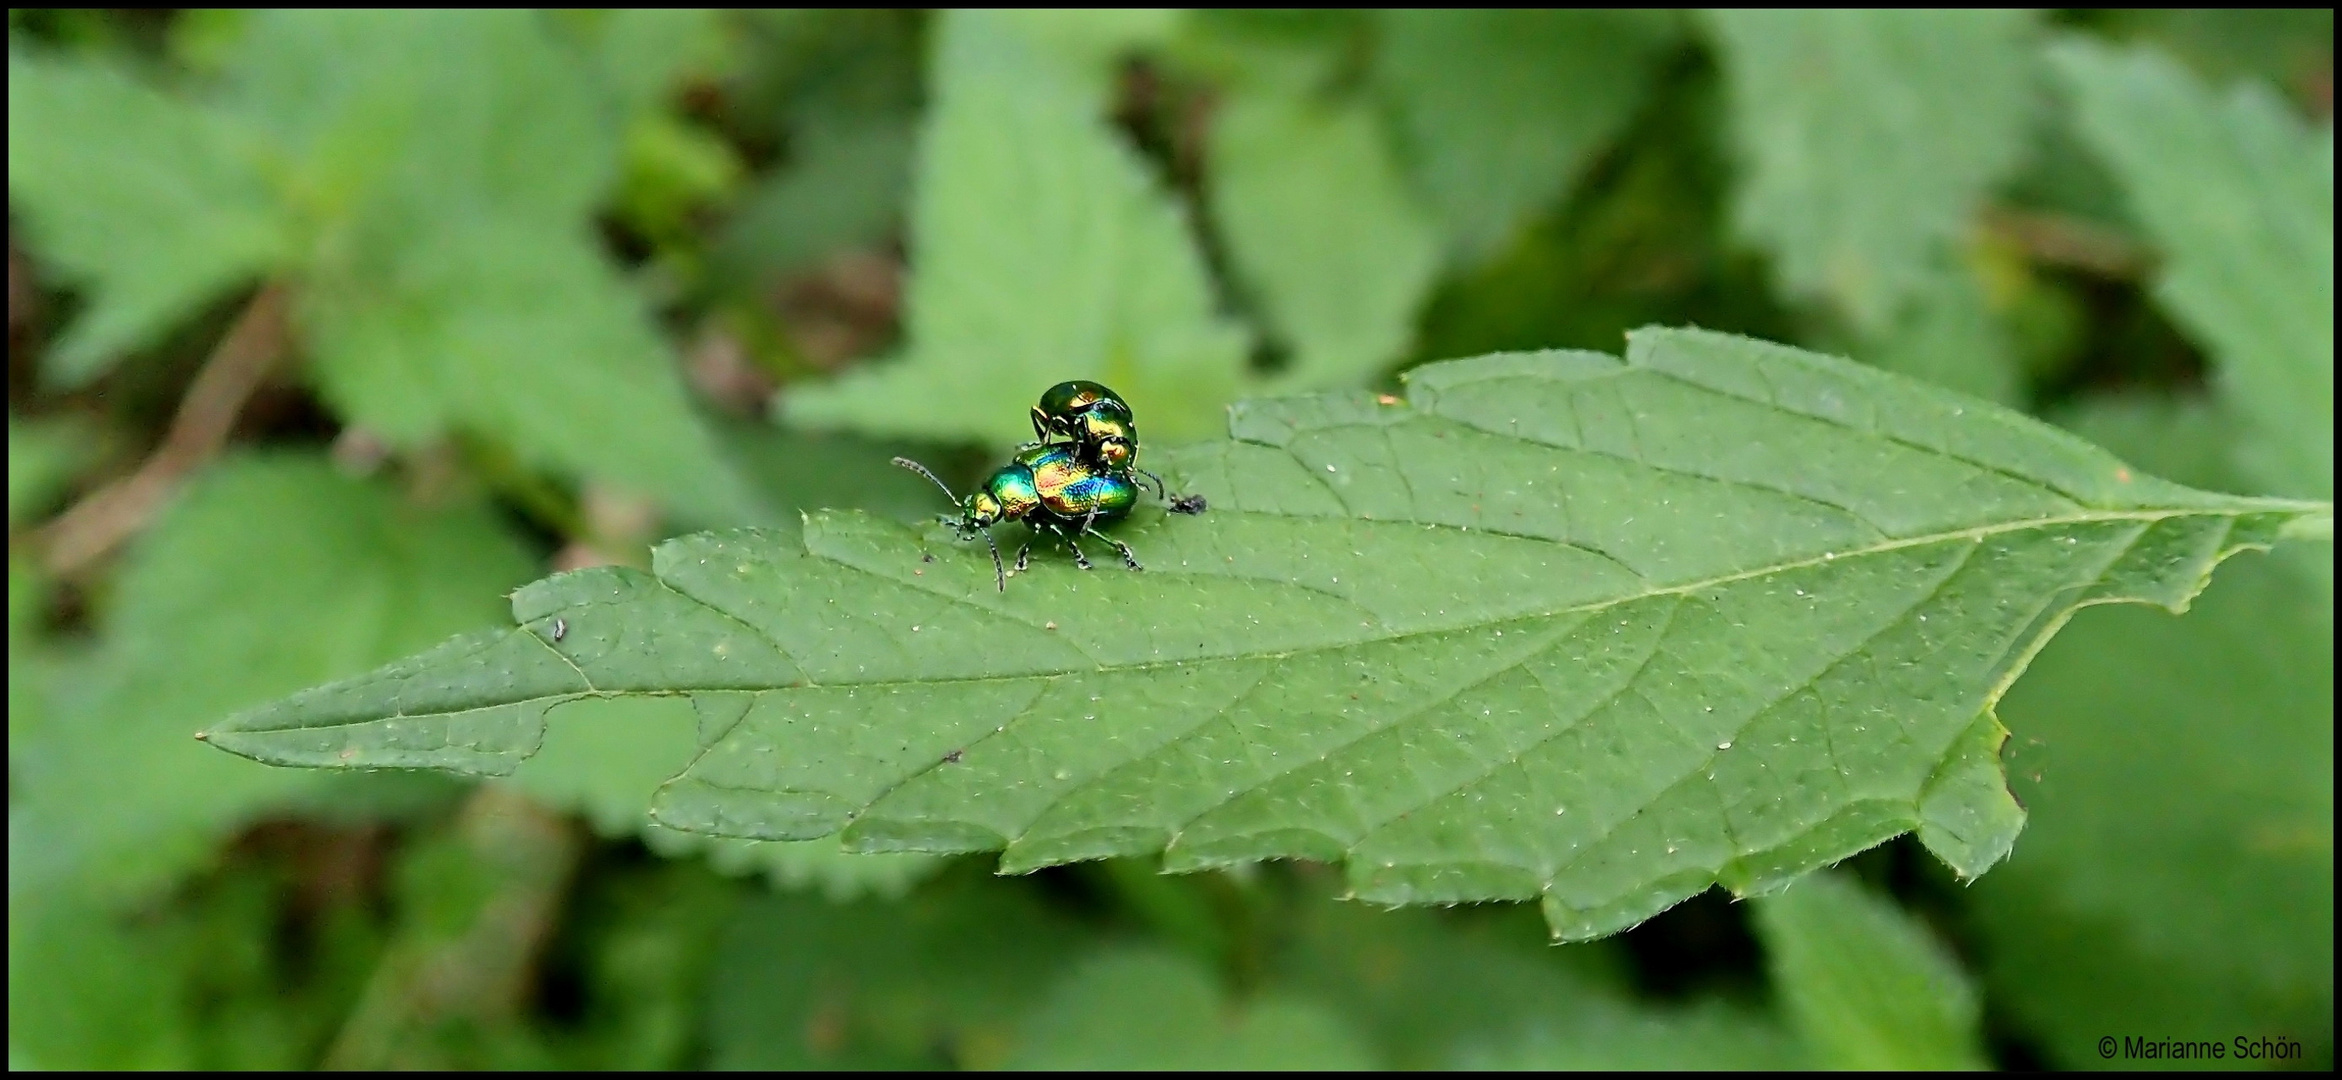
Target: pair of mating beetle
<point x="1066" y="489"/>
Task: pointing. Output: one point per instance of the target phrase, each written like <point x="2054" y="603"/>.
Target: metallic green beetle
<point x="1097" y="421"/>
<point x="1049" y="488"/>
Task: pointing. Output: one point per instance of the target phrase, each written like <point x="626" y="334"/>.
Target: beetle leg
<point x="999" y="573"/>
<point x="1089" y="520"/>
<point x="1040" y="425"/>
<point x="1079" y="559"/>
<point x="1127" y="556"/>
<point x="1022" y="552"/>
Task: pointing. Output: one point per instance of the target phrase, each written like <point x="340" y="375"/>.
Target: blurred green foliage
<point x="564" y="284"/>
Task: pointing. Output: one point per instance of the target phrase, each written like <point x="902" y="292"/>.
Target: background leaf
<point x="1044" y="250"/>
<point x="454" y="284"/>
<point x="1142" y="1011"/>
<point x="1864" y="983"/>
<point x="520" y="332"/>
<point x="1500" y="111"/>
<point x="942" y="978"/>
<point x="1921" y="548"/>
<point x="43" y="456"/>
<point x="1949" y="335"/>
<point x="846" y="188"/>
<point x="156" y="205"/>
<point x="189" y="987"/>
<point x="1847" y="203"/>
<point x="797" y="471"/>
<point x="1435" y="990"/>
<point x="83" y="994"/>
<point x="114" y="794"/>
<point x="642" y="52"/>
<point x="842" y="87"/>
<point x="1321" y="224"/>
<point x="1851" y="208"/>
<point x="2240" y="195"/>
<point x="1611" y="1036"/>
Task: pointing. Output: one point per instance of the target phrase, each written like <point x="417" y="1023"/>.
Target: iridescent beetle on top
<point x="1095" y="418"/>
<point x="1049" y="488"/>
<point x="1103" y="431"/>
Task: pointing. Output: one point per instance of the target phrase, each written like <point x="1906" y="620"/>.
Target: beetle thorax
<point x="982" y="511"/>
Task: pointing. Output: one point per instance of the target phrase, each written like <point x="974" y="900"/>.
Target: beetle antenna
<point x="922" y="470"/>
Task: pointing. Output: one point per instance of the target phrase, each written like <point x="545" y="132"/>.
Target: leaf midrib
<point x="2243" y="506"/>
<point x="1972" y="533"/>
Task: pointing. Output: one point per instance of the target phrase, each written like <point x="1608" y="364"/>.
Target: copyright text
<point x="2240" y="1048"/>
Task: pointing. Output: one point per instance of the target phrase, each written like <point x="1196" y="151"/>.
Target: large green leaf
<point x="2240" y="195"/>
<point x="213" y="614"/>
<point x="1869" y="138"/>
<point x="1865" y="983"/>
<point x="1042" y="251"/>
<point x="2179" y="874"/>
<point x="1553" y="626"/>
<point x="1500" y="111"/>
<point x="159" y="207"/>
<point x="609" y="759"/>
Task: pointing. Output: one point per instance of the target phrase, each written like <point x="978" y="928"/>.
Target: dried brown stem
<point x="2066" y="240"/>
<point x="99" y="523"/>
<point x="478" y="969"/>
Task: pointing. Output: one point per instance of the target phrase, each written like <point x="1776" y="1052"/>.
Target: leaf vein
<point x="1873" y="431"/>
<point x="548" y="647"/>
<point x="1708" y="759"/>
<point x="755" y="631"/>
<point x="1658" y="644"/>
